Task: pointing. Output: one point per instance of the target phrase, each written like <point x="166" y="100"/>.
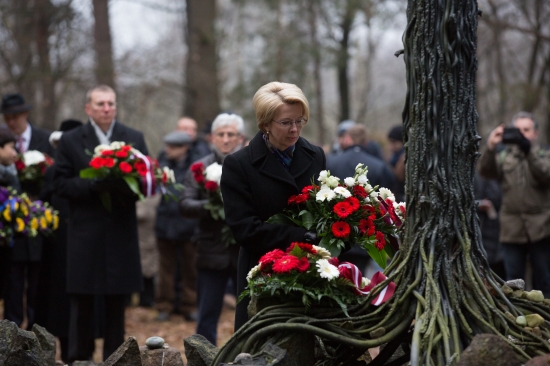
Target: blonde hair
<point x="273" y="95"/>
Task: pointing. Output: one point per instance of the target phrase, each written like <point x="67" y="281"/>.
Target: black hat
<point x="177" y="138"/>
<point x="396" y="133"/>
<point x="14" y="103"/>
<point x="69" y="124"/>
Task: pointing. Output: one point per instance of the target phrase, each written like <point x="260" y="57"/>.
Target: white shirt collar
<point x="26" y="135"/>
<point x="104" y="138"/>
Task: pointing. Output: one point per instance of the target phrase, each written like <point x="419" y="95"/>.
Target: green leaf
<point x="134" y="186"/>
<point x="307" y="219"/>
<point x="280" y="219"/>
<point x="379" y="256"/>
<point x="90" y="173"/>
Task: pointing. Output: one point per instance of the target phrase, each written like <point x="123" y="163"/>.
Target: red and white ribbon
<point x="378" y="277"/>
<point x="148" y="188"/>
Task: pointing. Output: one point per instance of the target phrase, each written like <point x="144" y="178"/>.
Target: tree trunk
<point x="23" y="34"/>
<point x="343" y="59"/>
<point x="105" y="73"/>
<point x="202" y="101"/>
<point x="316" y="54"/>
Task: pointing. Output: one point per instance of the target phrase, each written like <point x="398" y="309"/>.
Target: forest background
<point x="169" y="58"/>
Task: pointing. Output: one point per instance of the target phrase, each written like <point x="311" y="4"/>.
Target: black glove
<point x="101" y="185"/>
<point x="524" y="145"/>
<point x="311" y="237"/>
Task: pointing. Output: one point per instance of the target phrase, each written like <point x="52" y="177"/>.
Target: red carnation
<point x="354" y="203"/>
<point x="140" y="167"/>
<point x="303" y="264"/>
<point x="403" y="210"/>
<point x="340" y="229"/>
<point x="334" y="261"/>
<point x="359" y="191"/>
<point x="380" y="240"/>
<point x="285" y="264"/>
<point x="125" y="167"/>
<point x="345" y="272"/>
<point x="343" y="209"/>
<point x="303" y="246"/>
<point x="211" y="186"/>
<point x="96" y="163"/>
<point x="109" y="162"/>
<point x="306" y="189"/>
<point x="107" y="153"/>
<point x="164" y="177"/>
<point x="121" y="154"/>
<point x="126" y="148"/>
<point x="269" y="257"/>
<point x="20" y="165"/>
<point x="297" y="199"/>
<point x="197" y="167"/>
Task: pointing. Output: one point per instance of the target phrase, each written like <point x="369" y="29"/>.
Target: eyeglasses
<point x="288" y="122"/>
<point x="230" y="135"/>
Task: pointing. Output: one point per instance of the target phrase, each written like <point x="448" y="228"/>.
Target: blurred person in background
<point x="148" y="252"/>
<point x="216" y="258"/>
<point x="199" y="145"/>
<point x="370" y="146"/>
<point x="397" y="160"/>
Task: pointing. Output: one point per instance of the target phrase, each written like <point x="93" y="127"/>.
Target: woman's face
<point x="280" y="136"/>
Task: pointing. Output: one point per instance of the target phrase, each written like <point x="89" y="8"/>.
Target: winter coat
<point x="525" y="183"/>
<point x="102" y="245"/>
<point x="256" y="186"/>
<point x="212" y="252"/>
<point x="148" y="252"/>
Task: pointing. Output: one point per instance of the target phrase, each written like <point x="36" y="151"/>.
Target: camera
<point x="512" y="135"/>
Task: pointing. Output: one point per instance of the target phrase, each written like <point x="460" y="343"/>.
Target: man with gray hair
<point x="523" y="169"/>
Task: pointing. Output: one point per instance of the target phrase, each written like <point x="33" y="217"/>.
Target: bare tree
<point x="105" y="73"/>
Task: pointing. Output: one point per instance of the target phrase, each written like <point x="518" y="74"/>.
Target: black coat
<point x="212" y="252"/>
<point x="102" y="246"/>
<point x="256" y="186"/>
<point x="30" y="249"/>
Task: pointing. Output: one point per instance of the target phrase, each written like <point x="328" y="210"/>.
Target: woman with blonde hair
<point x="258" y="180"/>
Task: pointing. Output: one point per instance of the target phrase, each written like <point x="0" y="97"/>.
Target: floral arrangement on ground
<point x="348" y="211"/>
<point x="309" y="274"/>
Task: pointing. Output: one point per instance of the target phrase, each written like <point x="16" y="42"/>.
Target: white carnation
<point x="323" y="175"/>
<point x="325" y="194"/>
<point x="386" y="193"/>
<point x="362" y="179"/>
<point x="213" y="172"/>
<point x="99" y="148"/>
<point x="342" y="192"/>
<point x="332" y="182"/>
<point x="253" y="272"/>
<point x="349" y="181"/>
<point x="33" y="157"/>
<point x="321" y="252"/>
<point x="358" y="166"/>
<point x="115" y="145"/>
<point x="327" y="270"/>
<point x="171" y="178"/>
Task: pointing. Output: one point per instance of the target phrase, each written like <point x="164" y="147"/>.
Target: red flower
<point x="19" y="165"/>
<point x="140" y="167"/>
<point x="369" y="209"/>
<point x="403" y="210"/>
<point x="164" y="177"/>
<point x="97" y="163"/>
<point x="211" y="186"/>
<point x="340" y="229"/>
<point x="121" y="154"/>
<point x="380" y="240"/>
<point x="303" y="246"/>
<point x="359" y="191"/>
<point x="126" y="148"/>
<point x="285" y="264"/>
<point x="306" y="189"/>
<point x="303" y="264"/>
<point x="343" y="209"/>
<point x="49" y="160"/>
<point x="334" y="261"/>
<point x="297" y="199"/>
<point x="197" y="167"/>
<point x="272" y="256"/>
<point x="354" y="202"/>
<point x="345" y="272"/>
<point x="125" y="167"/>
<point x="363" y="226"/>
<point x="107" y="153"/>
<point x="199" y="178"/>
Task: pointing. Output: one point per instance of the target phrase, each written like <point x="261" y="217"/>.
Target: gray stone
<point x="543" y="360"/>
<point x="546" y="302"/>
<point x="126" y="355"/>
<point x="535" y="295"/>
<point x="518" y="294"/>
<point x="517" y="284"/>
<point x="160" y="356"/>
<point x="154" y="342"/>
<point x="270" y="355"/>
<point x="84" y="363"/>
<point x="488" y="350"/>
<point x="534" y="320"/>
<point x="521" y="320"/>
<point x="507" y="290"/>
<point x="199" y="351"/>
<point x="243" y="357"/>
<point x="47" y="343"/>
<point x="19" y="347"/>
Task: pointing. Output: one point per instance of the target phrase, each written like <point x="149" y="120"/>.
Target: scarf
<point x="284" y="157"/>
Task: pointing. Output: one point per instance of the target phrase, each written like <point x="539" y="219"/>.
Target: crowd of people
<point x="177" y="254"/>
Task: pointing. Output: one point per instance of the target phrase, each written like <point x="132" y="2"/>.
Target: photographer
<point x="523" y="169"/>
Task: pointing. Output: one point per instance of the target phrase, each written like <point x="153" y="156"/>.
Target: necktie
<point x="21" y="143"/>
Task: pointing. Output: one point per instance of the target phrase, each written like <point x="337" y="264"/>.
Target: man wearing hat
<point x="174" y="234"/>
<point x="26" y="252"/>
<point x="102" y="244"/>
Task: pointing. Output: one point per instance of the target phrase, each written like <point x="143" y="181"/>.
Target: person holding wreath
<point x="258" y="179"/>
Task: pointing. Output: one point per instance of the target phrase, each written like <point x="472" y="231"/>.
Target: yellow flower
<point x="43" y="223"/>
<point x="16" y="206"/>
<point x="20" y="224"/>
<point x="48" y="214"/>
<point x="25" y="209"/>
<point x="55" y="222"/>
<point x="34" y="223"/>
<point x="7" y="214"/>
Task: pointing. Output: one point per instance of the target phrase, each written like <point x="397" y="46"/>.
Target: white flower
<point x="332" y="182"/>
<point x="213" y="172"/>
<point x="99" y="148"/>
<point x="323" y="175"/>
<point x="349" y="181"/>
<point x="115" y="145"/>
<point x="362" y="179"/>
<point x="253" y="272"/>
<point x="342" y="192"/>
<point x="171" y="178"/>
<point x="386" y="193"/>
<point x="325" y="194"/>
<point x="326" y="270"/>
<point x="358" y="166"/>
<point x="33" y="157"/>
<point x="321" y="252"/>
<point x="368" y="188"/>
<point x="365" y="282"/>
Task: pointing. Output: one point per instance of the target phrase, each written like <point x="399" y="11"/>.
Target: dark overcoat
<point x="102" y="246"/>
<point x="256" y="186"/>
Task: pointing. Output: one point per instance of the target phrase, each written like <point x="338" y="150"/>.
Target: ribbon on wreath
<point x="351" y="272"/>
<point x="148" y="185"/>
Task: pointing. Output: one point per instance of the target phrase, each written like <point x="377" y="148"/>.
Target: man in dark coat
<point x="26" y="252"/>
<point x="102" y="245"/>
<point x="343" y="166"/>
